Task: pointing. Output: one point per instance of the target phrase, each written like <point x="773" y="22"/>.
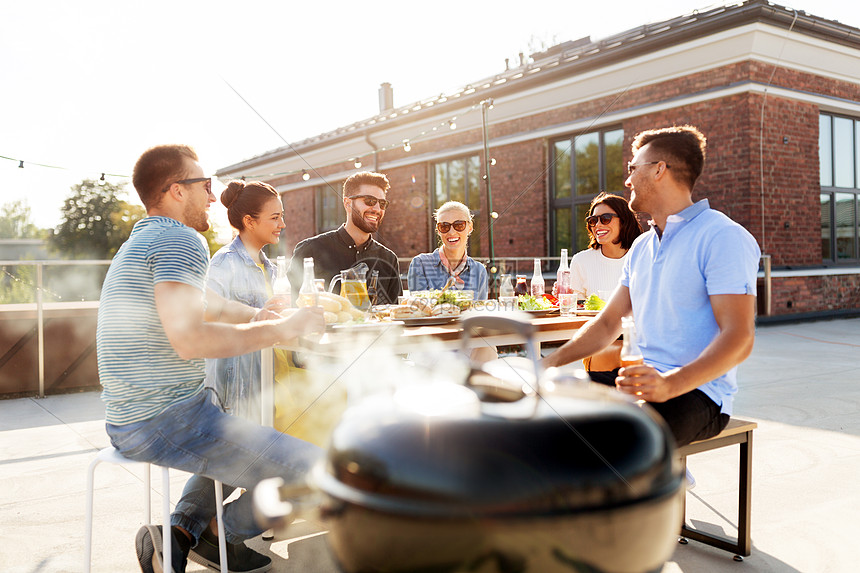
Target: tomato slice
<point x="551" y="299"/>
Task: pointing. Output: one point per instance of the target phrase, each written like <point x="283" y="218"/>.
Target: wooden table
<point x="408" y="339"/>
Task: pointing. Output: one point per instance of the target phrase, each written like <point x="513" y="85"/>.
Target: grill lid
<point x="437" y="450"/>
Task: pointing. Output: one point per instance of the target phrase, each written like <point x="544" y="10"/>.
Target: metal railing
<point x="39" y="291"/>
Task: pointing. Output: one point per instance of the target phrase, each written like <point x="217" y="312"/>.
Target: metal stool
<point x="110" y="455"/>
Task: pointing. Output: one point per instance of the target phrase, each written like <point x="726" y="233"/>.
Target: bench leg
<point x="743" y="546"/>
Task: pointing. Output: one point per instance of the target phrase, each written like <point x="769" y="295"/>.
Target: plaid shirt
<point x="426" y="272"/>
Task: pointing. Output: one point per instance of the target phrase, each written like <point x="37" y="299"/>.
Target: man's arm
<point x="220" y="309"/>
<point x="181" y="310"/>
<point x="735" y="316"/>
<point x="597" y="334"/>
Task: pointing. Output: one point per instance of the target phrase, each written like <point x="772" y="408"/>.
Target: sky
<point x="87" y="86"/>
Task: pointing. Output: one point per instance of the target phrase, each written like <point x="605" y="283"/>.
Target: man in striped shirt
<point x="157" y="322"/>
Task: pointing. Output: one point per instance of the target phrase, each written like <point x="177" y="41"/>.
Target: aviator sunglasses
<point x="604" y="219"/>
<point x="459" y="226"/>
<point x="370" y="201"/>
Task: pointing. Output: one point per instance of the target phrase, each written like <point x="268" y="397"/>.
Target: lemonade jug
<point x="353" y="285"/>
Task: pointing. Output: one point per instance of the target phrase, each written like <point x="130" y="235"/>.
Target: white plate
<point x="429" y="320"/>
<point x="365" y="325"/>
<point x="538" y="313"/>
<point x="587" y="312"/>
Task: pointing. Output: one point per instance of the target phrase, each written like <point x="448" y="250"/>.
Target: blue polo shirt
<point x="701" y="253"/>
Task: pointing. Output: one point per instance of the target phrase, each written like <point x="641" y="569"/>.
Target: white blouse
<point x="591" y="271"/>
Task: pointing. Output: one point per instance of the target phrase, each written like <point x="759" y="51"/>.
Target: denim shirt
<point x="426" y="272"/>
<point x="235" y="276"/>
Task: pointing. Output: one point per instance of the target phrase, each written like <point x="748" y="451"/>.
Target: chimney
<point x="386" y="97"/>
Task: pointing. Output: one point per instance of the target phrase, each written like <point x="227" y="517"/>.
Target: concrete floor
<point x="802" y="385"/>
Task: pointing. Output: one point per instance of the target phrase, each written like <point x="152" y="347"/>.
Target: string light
<point x="494" y="215"/>
<point x="357" y="162"/>
<point x="492" y="161"/>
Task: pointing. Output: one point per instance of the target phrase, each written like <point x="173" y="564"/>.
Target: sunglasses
<point x="459" y="226"/>
<point x="604" y="219"/>
<point x="631" y="167"/>
<point x="370" y="201"/>
<point x="208" y="181"/>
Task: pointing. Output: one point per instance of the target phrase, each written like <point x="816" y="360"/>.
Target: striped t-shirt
<point x="140" y="371"/>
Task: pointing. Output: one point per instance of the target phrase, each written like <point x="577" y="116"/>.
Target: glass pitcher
<point x="353" y="285"/>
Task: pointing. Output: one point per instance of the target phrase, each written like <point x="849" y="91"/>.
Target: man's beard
<point x="359" y="221"/>
<point x="197" y="220"/>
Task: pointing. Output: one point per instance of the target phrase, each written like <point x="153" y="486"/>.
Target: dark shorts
<point x="691" y="416"/>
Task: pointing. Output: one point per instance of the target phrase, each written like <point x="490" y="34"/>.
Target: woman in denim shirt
<point x="433" y="270"/>
<point x="241" y="271"/>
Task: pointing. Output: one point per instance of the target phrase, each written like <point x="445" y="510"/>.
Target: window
<point x="329" y="207"/>
<point x="460" y="180"/>
<point x="582" y="166"/>
<point x="839" y="164"/>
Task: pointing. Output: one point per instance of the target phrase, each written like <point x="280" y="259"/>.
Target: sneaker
<point x="148" y="545"/>
<point x="240" y="557"/>
<point x="691" y="481"/>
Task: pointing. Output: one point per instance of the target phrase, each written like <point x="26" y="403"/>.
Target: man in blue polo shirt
<point x="689" y="284"/>
<point x="157" y="322"/>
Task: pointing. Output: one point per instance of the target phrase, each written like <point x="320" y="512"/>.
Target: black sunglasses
<point x="604" y="219"/>
<point x="459" y="226"/>
<point x="208" y="181"/>
<point x="370" y="201"/>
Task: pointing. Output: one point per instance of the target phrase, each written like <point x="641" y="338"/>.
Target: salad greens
<point x="594" y="302"/>
<point x="530" y="302"/>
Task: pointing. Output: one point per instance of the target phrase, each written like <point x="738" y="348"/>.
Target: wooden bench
<point x="737" y="432"/>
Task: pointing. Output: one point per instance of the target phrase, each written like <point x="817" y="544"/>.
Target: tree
<point x="16" y="223"/>
<point x="96" y="221"/>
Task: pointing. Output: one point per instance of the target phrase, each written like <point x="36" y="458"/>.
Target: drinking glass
<point x="567" y="304"/>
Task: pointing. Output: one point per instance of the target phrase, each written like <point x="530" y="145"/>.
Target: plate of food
<point x="429" y="320"/>
<point x="539" y="312"/>
<point x="371" y="325"/>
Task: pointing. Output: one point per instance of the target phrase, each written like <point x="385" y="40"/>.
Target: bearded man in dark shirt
<point x="364" y="199"/>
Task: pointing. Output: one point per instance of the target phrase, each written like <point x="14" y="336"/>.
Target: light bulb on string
<point x="21" y="164"/>
<point x="493" y="270"/>
<point x="452" y="124"/>
<point x="494" y="215"/>
<point x="102" y="180"/>
<point x="357" y="163"/>
<point x="305" y="175"/>
<point x="406" y="146"/>
<point x="492" y="161"/>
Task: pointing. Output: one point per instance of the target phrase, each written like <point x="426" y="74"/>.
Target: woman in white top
<point x="612" y="228"/>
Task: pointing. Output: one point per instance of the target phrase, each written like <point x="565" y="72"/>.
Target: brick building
<point x="777" y="93"/>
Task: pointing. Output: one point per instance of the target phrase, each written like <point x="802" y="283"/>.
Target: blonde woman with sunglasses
<point x="450" y="261"/>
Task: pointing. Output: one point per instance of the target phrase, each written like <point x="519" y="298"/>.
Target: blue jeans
<point x="197" y="437"/>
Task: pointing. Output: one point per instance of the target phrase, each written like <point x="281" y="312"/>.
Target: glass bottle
<point x="562" y="279"/>
<point x="630" y="353"/>
<point x="373" y="288"/>
<point x="537" y="280"/>
<point x="507" y="296"/>
<point x="308" y="293"/>
<point x="281" y="285"/>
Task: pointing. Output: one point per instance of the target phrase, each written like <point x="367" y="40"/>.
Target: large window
<point x="839" y="160"/>
<point x="460" y="180"/>
<point x="329" y="208"/>
<point x="581" y="167"/>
